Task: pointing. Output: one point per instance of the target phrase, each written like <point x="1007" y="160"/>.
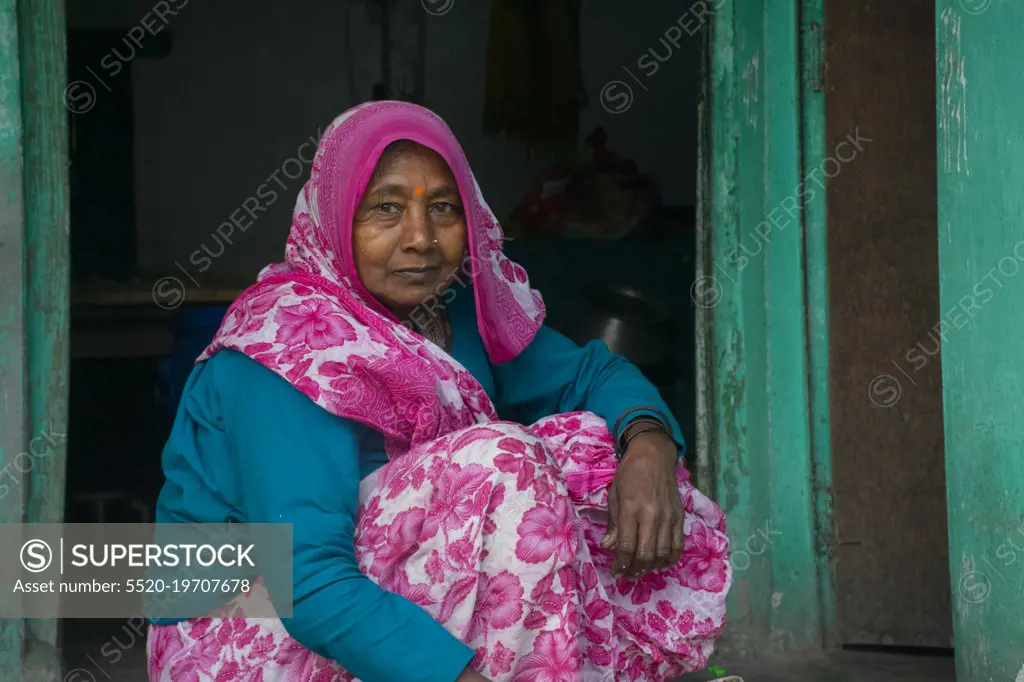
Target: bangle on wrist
<point x="635" y="428"/>
<point x="658" y="416"/>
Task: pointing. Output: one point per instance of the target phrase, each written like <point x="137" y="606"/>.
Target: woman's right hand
<point x="470" y="675"/>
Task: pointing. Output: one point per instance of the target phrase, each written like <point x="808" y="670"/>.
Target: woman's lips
<point x="424" y="275"/>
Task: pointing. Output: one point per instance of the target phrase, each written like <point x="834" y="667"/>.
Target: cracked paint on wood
<point x="759" y="426"/>
<point x="750" y="88"/>
<point x="813" y="133"/>
<point x="43" y="57"/>
<point x="703" y="319"/>
<point x="979" y="59"/>
<point x="794" y="570"/>
<point x="952" y="95"/>
<point x="34" y="261"/>
<point x="12" y="349"/>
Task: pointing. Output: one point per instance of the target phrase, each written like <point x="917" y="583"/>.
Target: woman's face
<point x="409" y="229"/>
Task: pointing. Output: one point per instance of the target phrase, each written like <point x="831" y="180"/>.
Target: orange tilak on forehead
<point x="419" y="190"/>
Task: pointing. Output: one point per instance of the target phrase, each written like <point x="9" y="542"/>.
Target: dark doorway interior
<point x="888" y="465"/>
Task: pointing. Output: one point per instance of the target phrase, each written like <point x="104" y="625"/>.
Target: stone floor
<point x="844" y="667"/>
<point x="109" y="651"/>
<point x="104" y="651"/>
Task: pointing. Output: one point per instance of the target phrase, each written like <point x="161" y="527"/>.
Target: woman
<point x="372" y="390"/>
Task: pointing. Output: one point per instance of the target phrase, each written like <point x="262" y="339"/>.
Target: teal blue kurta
<point x="249" y="447"/>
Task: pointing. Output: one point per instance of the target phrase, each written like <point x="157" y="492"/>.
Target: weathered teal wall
<point x="47" y="241"/>
<point x="43" y="52"/>
<point x="980" y="59"/>
<point x="34" y="289"/>
<point x="12" y="348"/>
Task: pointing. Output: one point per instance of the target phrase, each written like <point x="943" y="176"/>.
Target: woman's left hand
<point x="645" y="510"/>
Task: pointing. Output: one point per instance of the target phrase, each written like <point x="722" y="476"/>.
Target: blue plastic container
<point x="193" y="329"/>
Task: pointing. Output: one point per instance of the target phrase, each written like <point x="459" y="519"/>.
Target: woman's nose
<point x="417" y="230"/>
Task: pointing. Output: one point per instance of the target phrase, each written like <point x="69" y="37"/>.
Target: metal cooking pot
<point x="633" y="324"/>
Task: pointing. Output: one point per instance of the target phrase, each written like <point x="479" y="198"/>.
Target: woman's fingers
<point x="611" y="534"/>
<point x="678" y="541"/>
<point x="610" y="537"/>
<point x="646" y="543"/>
<point x="663" y="555"/>
<point x="625" y="542"/>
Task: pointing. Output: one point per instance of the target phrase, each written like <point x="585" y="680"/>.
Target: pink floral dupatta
<point x="311" y="321"/>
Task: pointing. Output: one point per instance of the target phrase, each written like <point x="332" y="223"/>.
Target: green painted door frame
<point x="34" y="288"/>
<point x="981" y="250"/>
<point x="760" y="295"/>
<point x="761" y="292"/>
<point x="12" y="299"/>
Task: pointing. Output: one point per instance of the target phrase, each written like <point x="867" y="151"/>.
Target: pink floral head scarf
<point x="311" y="321"/>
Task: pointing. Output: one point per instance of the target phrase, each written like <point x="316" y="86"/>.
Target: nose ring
<point x="436" y="241"/>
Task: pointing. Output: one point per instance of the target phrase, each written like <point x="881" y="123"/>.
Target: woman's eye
<point x="445" y="207"/>
<point x="387" y="207"/>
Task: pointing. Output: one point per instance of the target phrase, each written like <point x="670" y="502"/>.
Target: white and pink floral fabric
<point x="492" y="527"/>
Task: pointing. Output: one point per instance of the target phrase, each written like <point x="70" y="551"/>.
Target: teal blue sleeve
<point x="299" y="464"/>
<point x="555" y="375"/>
